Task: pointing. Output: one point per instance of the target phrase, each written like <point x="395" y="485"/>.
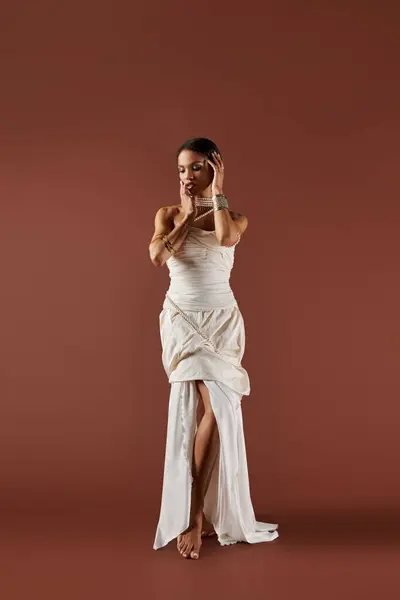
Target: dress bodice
<point x="200" y="272"/>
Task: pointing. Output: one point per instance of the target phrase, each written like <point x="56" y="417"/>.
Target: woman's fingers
<point x="210" y="162"/>
<point x="218" y="160"/>
<point x="216" y="163"/>
<point x="184" y="191"/>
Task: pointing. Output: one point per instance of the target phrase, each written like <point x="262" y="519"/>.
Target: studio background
<point x="302" y="99"/>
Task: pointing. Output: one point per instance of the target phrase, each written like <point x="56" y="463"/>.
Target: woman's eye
<point x="196" y="168"/>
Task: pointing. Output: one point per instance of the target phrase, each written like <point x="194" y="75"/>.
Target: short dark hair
<point x="200" y="145"/>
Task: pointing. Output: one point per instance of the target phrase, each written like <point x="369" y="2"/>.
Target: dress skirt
<point x="207" y="345"/>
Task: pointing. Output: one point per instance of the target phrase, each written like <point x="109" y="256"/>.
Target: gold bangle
<point x="168" y="245"/>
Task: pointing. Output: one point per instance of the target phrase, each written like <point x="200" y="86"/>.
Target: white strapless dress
<point x="203" y="337"/>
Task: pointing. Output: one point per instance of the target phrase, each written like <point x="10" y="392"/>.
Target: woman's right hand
<point x="187" y="200"/>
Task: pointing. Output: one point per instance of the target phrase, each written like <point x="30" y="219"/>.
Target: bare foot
<point x="207" y="528"/>
<point x="189" y="541"/>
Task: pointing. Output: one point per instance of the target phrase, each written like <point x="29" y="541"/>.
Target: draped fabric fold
<point x="227" y="504"/>
<point x="203" y="338"/>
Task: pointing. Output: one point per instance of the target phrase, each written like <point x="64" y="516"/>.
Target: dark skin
<point x="203" y="177"/>
<point x="199" y="177"/>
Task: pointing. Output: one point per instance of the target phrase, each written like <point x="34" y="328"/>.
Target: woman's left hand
<point x="218" y="166"/>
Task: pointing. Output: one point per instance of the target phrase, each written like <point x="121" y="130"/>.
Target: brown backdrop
<point x="303" y="101"/>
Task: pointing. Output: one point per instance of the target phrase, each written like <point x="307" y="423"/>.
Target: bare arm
<point x="228" y="226"/>
<point x="163" y="226"/>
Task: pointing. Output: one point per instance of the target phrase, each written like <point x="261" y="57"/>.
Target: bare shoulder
<point x="168" y="211"/>
<point x="164" y="221"/>
<point x="166" y="215"/>
<point x="236" y="215"/>
<point x="241" y="220"/>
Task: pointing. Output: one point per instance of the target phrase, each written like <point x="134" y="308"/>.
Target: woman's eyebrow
<point x="193" y="163"/>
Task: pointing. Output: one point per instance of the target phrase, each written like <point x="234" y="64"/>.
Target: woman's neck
<point x="207" y="193"/>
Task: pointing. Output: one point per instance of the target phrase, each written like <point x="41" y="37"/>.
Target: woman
<point x="205" y="484"/>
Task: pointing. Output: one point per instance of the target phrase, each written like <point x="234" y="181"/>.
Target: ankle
<point x="196" y="519"/>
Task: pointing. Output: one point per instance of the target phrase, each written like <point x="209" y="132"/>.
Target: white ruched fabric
<point x="203" y="338"/>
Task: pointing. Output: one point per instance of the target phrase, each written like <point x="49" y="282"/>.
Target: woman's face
<point x="194" y="171"/>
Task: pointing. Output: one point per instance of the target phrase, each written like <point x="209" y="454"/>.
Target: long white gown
<point x="203" y="337"/>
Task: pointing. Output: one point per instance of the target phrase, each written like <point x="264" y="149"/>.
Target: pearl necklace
<point x="204" y="203"/>
<point x="204" y="214"/>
